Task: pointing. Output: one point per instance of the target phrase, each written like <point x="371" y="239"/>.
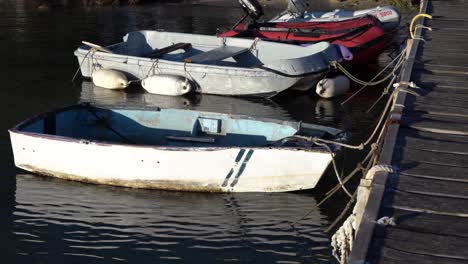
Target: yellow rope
<point x="411" y="30"/>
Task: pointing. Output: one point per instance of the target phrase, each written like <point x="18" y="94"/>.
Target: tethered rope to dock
<point x="82" y="61"/>
<point x="399" y="59"/>
<point x="370" y="158"/>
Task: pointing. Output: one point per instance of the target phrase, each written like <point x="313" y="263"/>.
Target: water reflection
<point x="137" y="97"/>
<point x="58" y="220"/>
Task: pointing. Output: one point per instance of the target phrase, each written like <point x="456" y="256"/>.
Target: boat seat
<point x="158" y="53"/>
<point x="217" y="54"/>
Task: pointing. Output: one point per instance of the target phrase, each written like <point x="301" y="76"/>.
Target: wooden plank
<point x="416" y="116"/>
<point x="447" y="124"/>
<point x="425" y="243"/>
<point x="192" y="139"/>
<point x="437" y="97"/>
<point x="442" y="62"/>
<point x="432" y="171"/>
<point x="436" y="142"/>
<point x="431" y="203"/>
<point x="433" y="145"/>
<point x="426" y="75"/>
<point x="435" y="55"/>
<point x="431" y="157"/>
<point x="450" y="69"/>
<point x="398" y="256"/>
<point x="158" y="53"/>
<point x="217" y="54"/>
<point x="408" y="132"/>
<point x="437" y="187"/>
<point x="438" y="109"/>
<point x="428" y="223"/>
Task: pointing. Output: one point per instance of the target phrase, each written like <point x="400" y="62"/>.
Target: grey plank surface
<point x="415" y="202"/>
<point x="425" y="243"/>
<point x="439" y="123"/>
<point x="428" y="223"/>
<point x="432" y="171"/>
<point x="430" y="157"/>
<point x="399" y="256"/>
<point x="437" y="187"/>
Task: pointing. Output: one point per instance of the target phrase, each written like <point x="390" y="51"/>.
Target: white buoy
<point x="110" y="79"/>
<point x="166" y="84"/>
<point x="331" y="87"/>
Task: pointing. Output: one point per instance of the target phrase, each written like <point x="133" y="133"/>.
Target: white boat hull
<point x="192" y="169"/>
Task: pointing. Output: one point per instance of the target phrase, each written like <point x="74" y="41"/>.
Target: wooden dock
<point x="427" y="195"/>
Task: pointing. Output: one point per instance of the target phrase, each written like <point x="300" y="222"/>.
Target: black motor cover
<point x="297" y="7"/>
<point x="252" y="7"/>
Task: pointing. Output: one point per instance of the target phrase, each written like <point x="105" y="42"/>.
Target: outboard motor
<point x="252" y="8"/>
<point x="297" y="7"/>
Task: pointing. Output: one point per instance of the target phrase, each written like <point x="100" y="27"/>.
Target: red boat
<point x="363" y="36"/>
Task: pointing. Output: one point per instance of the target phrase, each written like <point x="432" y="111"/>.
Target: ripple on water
<point x="68" y="219"/>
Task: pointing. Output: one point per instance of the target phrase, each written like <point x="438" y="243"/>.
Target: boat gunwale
<point x="258" y="71"/>
<point x="17" y="129"/>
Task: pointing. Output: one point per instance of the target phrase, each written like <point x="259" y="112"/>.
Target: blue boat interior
<point x="164" y="127"/>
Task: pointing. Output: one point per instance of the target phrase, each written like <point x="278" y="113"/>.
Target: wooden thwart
<point x="158" y="53"/>
<point x="192" y="139"/>
<point x="217" y="54"/>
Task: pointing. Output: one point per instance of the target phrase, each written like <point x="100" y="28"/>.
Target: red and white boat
<point x="363" y="35"/>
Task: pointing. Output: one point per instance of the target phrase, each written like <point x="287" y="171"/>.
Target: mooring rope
<point x="82" y="61"/>
<point x="371" y="82"/>
<point x="399" y="58"/>
<point x="337" y="174"/>
<point x="384" y="92"/>
<point x="370" y="158"/>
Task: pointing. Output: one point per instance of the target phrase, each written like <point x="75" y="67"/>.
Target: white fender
<point x="331" y="87"/>
<point x="166" y="84"/>
<point x="110" y="79"/>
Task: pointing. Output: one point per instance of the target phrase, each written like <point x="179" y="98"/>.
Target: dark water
<point x="53" y="221"/>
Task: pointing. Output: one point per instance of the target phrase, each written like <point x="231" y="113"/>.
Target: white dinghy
<point x="172" y="149"/>
<point x="389" y="16"/>
<point x="212" y="65"/>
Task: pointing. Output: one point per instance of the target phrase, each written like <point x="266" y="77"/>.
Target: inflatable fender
<point x="331" y="87"/>
<point x="167" y="84"/>
<point x="110" y="79"/>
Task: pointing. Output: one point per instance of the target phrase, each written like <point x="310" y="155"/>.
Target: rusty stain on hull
<point x="190" y="186"/>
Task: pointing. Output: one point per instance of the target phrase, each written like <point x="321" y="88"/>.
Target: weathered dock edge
<point x="364" y="233"/>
